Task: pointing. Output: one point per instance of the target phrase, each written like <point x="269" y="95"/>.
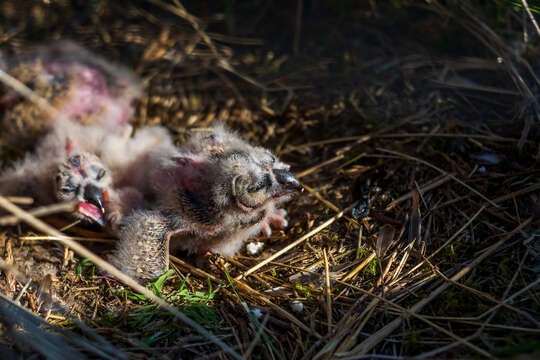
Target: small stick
<point x="222" y="62"/>
<point x="25" y="287"/>
<point x="517" y="193"/>
<point x="430" y="186"/>
<point x="27" y="92"/>
<point x="403" y="260"/>
<point x="510" y="298"/>
<point x="487" y="296"/>
<point x="327" y="291"/>
<point x="319" y="166"/>
<point x="249" y="290"/>
<point x="359" y="244"/>
<point x="377" y="337"/>
<point x="408" y="157"/>
<point x="40" y="211"/>
<point x="105" y="266"/>
<point x="380" y="281"/>
<point x="328" y="203"/>
<point x="446" y="242"/>
<point x="257" y="338"/>
<point x="533" y="20"/>
<point x="364" y="138"/>
<point x="362" y="265"/>
<point x="21" y="200"/>
<point x="76" y="238"/>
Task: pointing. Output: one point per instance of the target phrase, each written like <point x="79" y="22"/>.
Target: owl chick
<point x="218" y="139"/>
<point x="80" y="85"/>
<point x="205" y="200"/>
<point x="110" y="183"/>
<point x="84" y="178"/>
<point x="65" y="166"/>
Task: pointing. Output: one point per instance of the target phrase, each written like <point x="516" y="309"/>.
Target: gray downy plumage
<point x="211" y="194"/>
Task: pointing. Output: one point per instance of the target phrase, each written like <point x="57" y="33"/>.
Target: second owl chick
<point x="80" y="85"/>
<point x="64" y="166"/>
<point x="94" y="165"/>
<point x="206" y="199"/>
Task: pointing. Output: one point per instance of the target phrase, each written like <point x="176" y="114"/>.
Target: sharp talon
<point x="267" y="230"/>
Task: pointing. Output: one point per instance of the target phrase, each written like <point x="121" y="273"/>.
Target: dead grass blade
<point x="22" y="321"/>
<point x="319" y="166"/>
<point x="360" y="266"/>
<point x="384" y="240"/>
<point x="21" y="200"/>
<point x="485" y="296"/>
<point x="354" y="353"/>
<point x="28" y="93"/>
<point x="517" y="193"/>
<point x="365" y="138"/>
<point x="531" y="16"/>
<point x="105" y="266"/>
<point x="179" y="10"/>
<point x="27" y="329"/>
<point x="447" y="242"/>
<point x="41" y="211"/>
<point x="453" y="177"/>
<point x="327" y="291"/>
<point x="380" y="335"/>
<point x="246" y="289"/>
<point x="74" y="238"/>
<point x="427" y="187"/>
<point x="297" y="242"/>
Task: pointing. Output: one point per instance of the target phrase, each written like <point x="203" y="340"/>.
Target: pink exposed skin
<point x="88" y="90"/>
<point x="92" y="212"/>
<point x="82" y="177"/>
<point x="187" y="174"/>
<point x="123" y="160"/>
<point x="119" y="203"/>
<point x="89" y="94"/>
<point x="93" y="99"/>
<point x="276" y="219"/>
<point x="212" y="194"/>
<point x="80" y="85"/>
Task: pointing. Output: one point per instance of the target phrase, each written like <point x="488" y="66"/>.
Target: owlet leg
<point x="143" y="248"/>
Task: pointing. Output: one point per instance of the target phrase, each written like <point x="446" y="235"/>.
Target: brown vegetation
<point x="413" y="127"/>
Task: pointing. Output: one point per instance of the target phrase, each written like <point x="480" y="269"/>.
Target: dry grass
<point x="417" y="235"/>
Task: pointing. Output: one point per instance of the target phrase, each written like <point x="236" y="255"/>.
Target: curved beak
<point x="92" y="208"/>
<point x="286" y="179"/>
<point x="94" y="195"/>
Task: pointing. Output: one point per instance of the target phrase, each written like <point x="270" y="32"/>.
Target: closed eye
<point x="101" y="174"/>
<point x="75" y="161"/>
<point x="266" y="182"/>
<point x="256" y="187"/>
<point x="69" y="188"/>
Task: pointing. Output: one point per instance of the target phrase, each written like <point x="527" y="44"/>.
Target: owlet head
<point x="255" y="178"/>
<point x="82" y="177"/>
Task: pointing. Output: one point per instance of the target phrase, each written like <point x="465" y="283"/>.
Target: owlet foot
<point x="277" y="220"/>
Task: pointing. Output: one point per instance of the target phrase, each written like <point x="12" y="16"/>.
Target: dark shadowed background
<point x="419" y="117"/>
